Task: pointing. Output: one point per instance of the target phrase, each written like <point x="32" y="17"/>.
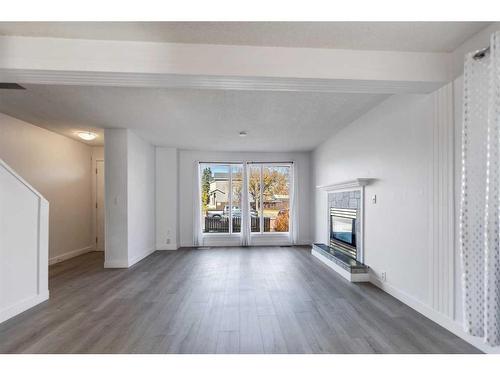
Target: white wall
<point x="130" y="198"/>
<point x="167" y="215"/>
<point x="392" y="144"/>
<point x="60" y="169"/>
<point x="187" y="163"/>
<point x="141" y="198"/>
<point x="115" y="161"/>
<point x="24" y="237"/>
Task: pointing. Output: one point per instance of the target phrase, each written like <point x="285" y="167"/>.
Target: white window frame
<point x="254" y="238"/>
<point x="229" y="234"/>
<point x="262" y="234"/>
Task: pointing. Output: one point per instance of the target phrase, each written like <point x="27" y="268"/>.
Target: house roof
<point x="217" y="190"/>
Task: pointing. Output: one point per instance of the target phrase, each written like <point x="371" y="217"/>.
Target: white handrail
<point x="16" y="175"/>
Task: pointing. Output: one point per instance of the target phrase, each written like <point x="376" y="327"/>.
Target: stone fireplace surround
<point x="347" y="199"/>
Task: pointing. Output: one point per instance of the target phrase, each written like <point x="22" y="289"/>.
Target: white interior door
<point x="100" y="205"/>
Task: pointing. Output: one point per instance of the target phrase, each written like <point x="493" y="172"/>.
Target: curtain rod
<point x="245" y="162"/>
<point x="481" y="53"/>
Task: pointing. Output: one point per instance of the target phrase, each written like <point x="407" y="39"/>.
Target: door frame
<point x="94" y="202"/>
<point x="254" y="238"/>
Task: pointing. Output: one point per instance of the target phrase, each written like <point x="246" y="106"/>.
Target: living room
<point x="185" y="187"/>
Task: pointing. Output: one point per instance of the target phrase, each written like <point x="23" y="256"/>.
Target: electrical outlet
<point x="168" y="241"/>
<point x="383" y="276"/>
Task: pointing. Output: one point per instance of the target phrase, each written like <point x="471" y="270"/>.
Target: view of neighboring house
<point x="219" y="198"/>
<point x="219" y="188"/>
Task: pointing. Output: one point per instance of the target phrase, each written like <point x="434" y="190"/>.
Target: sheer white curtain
<point x="197" y="229"/>
<point x="480" y="195"/>
<point x="245" y="209"/>
<point x="293" y="212"/>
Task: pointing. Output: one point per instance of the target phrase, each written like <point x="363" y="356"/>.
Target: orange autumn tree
<point x="282" y="220"/>
<point x="274" y="182"/>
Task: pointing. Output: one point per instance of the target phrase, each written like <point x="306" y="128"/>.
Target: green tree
<point x="205" y="187"/>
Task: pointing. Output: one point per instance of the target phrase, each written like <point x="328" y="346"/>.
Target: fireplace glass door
<point x="343" y="230"/>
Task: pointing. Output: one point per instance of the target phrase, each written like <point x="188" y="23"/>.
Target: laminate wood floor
<point x="225" y="300"/>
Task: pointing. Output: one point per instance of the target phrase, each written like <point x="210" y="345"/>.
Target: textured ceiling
<point x="397" y="36"/>
<point x="192" y="119"/>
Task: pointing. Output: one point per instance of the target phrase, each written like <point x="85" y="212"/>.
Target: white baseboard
<point x="21" y="306"/>
<point x="121" y="263"/>
<point x="70" y="254"/>
<point x="141" y="257"/>
<point x="172" y="246"/>
<point x="116" y="263"/>
<point x="444" y="321"/>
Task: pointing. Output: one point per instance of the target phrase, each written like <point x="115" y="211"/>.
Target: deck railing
<point x="221" y="225"/>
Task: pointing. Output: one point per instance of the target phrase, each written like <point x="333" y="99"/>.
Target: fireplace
<point x="343" y="249"/>
<point x="343" y="226"/>
<point x="345" y="222"/>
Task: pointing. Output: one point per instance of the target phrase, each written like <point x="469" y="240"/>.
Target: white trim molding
<point x="71" y="254"/>
<point x="441" y="221"/>
<point x="430" y="313"/>
<point x="172" y="246"/>
<point x="352" y="184"/>
<point x="206" y="82"/>
<point x="22" y="180"/>
<point x="140" y="257"/>
<point x="21" y="306"/>
<point x="139" y="63"/>
<point x="127" y="263"/>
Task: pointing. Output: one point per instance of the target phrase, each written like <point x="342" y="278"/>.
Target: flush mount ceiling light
<point x="87" y="136"/>
<point x="243" y="134"/>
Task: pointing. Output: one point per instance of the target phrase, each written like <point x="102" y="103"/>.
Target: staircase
<point x="24" y="240"/>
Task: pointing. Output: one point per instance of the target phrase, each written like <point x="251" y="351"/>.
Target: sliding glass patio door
<point x="269" y="197"/>
<point x="245" y="203"/>
<point x="220" y="198"/>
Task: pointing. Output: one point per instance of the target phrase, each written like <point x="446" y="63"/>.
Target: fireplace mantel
<point x="352" y="184"/>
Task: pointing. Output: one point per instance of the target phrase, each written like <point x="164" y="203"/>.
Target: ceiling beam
<point x="145" y="64"/>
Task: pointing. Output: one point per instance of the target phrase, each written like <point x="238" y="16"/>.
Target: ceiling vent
<point x="10" y="86"/>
